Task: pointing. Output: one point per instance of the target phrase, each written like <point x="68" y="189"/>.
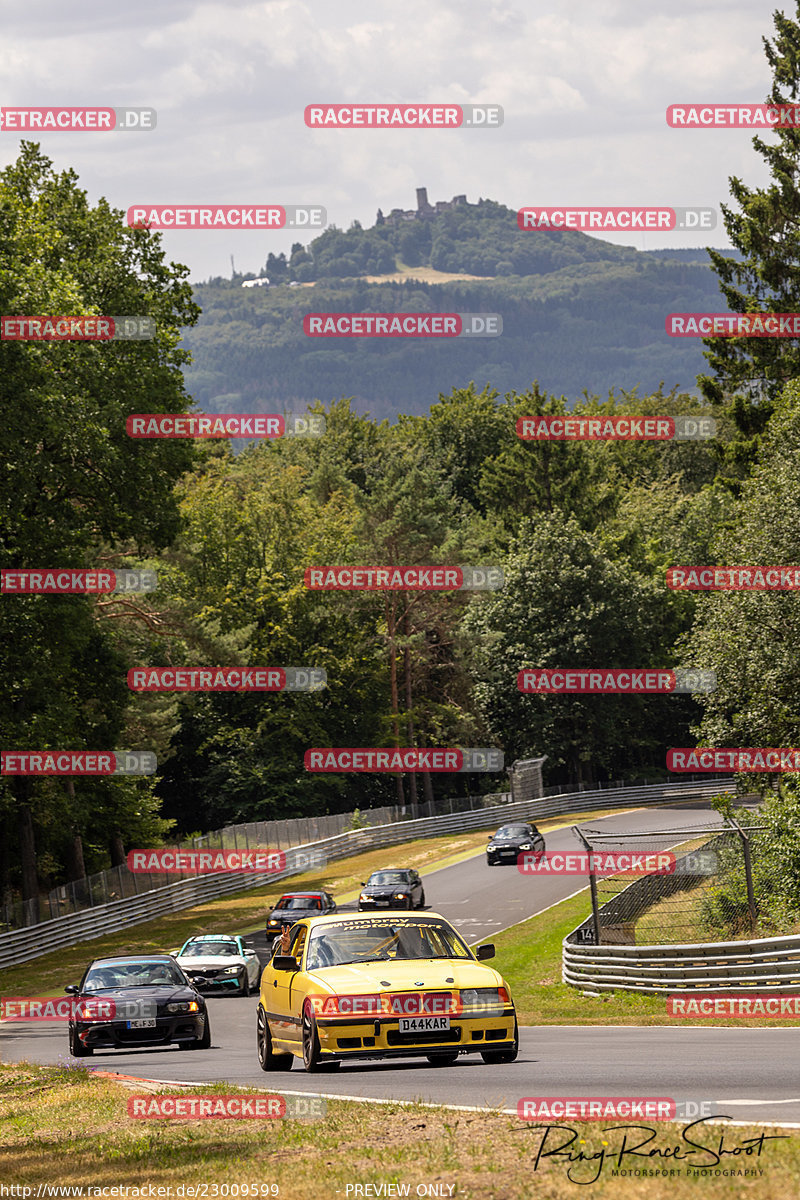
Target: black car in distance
<point x="512" y="840"/>
<point x="392" y="887"/>
<point x="135" y="1000"/>
<point x="295" y="906"/>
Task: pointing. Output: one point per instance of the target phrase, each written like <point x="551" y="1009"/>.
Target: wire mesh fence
<point x="700" y="884"/>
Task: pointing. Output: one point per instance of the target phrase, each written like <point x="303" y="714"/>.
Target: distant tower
<point x="422" y="200"/>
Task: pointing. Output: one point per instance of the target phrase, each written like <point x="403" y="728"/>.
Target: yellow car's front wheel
<point x="267" y="1058"/>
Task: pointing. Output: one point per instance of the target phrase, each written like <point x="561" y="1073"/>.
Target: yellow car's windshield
<point x="390" y="938"/>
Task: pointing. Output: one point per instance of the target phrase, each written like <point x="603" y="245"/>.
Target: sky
<point x="584" y="87"/>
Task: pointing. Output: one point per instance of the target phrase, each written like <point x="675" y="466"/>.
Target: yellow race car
<point x="381" y="985"/>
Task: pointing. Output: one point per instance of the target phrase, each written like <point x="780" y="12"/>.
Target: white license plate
<point x="423" y="1024"/>
<point x="384" y="902"/>
<point x="143" y="1023"/>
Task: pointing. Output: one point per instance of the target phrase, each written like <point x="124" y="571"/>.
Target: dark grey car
<point x="510" y="841"/>
<point x="392" y="887"/>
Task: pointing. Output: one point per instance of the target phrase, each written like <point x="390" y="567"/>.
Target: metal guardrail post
<point x="748" y="873"/>
<point x="592" y="885"/>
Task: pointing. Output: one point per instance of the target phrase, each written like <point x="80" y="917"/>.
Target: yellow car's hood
<point x="425" y="974"/>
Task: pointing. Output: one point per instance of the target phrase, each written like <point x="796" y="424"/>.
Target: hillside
<point x="578" y="313"/>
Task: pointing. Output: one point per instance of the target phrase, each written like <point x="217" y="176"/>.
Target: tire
<point x="422" y="901"/>
<point x="77" y="1048"/>
<point x="268" y="1060"/>
<point x="201" y="1043"/>
<point x="441" y="1060"/>
<point x="246" y="984"/>
<point x="311" y="1051"/>
<point x="503" y="1056"/>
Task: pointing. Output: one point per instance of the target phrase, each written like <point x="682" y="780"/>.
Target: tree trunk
<point x="412" y="779"/>
<point x="391" y="629"/>
<point x="27" y="850"/>
<point x="75" y="866"/>
<point x="117" y="848"/>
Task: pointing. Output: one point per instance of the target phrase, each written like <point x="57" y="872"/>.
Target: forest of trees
<point x="578" y="313"/>
<point x="583" y="530"/>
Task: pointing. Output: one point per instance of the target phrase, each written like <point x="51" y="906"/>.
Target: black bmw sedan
<point x="512" y="840"/>
<point x="136" y="1000"/>
<point x="399" y="887"/>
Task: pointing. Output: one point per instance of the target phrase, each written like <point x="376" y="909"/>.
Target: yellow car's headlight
<point x="484" y="998"/>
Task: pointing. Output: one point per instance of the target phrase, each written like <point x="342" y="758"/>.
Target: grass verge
<point x="64" y="1127"/>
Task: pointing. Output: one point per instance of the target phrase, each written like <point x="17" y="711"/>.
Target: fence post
<point x="748" y="875"/>
<point x="592" y="885"/>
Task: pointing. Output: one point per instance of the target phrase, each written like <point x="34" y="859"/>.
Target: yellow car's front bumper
<point x="380" y="1037"/>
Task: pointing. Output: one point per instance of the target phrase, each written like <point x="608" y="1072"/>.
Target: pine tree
<point x="749" y="373"/>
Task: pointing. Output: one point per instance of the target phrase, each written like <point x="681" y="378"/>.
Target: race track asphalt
<point x="747" y="1073"/>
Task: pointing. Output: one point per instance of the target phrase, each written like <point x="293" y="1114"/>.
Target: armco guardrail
<point x="771" y="963"/>
<point x="21" y="945"/>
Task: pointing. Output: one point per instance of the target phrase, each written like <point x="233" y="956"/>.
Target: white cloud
<point x="584" y="88"/>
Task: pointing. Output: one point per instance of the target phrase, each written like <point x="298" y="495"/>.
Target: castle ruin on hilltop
<point x="424" y="211"/>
